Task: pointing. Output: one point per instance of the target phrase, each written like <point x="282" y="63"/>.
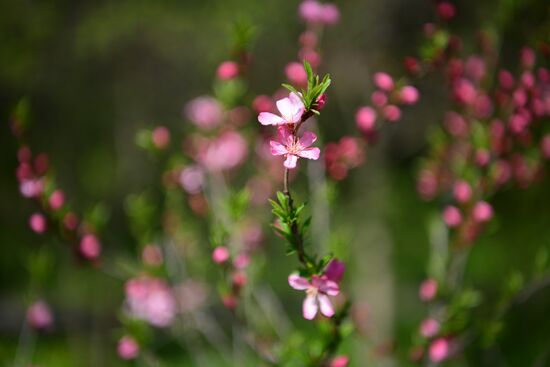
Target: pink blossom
<point x="160" y="137"/>
<point x="220" y="254"/>
<point x="127" y="348"/>
<point x="70" y="221"/>
<point x="57" y="199"/>
<point x="39" y="315"/>
<point x="429" y="328"/>
<point x="291" y="109"/>
<point x="317" y="292"/>
<point x="408" y="95"/>
<point x="475" y="68"/>
<point x="152" y="255"/>
<point x="330" y="14"/>
<point x="365" y="118"/>
<point x="462" y="191"/>
<point x="227" y="70"/>
<point x="428" y="290"/>
<point x="452" y="216"/>
<point x="528" y="57"/>
<point x="32" y="188"/>
<point x="263" y="103"/>
<point x="293" y="147"/>
<point x="37" y="222"/>
<point x="239" y="279"/>
<point x="339" y="361"/>
<point x="150" y="299"/>
<point x="308" y="39"/>
<point x="241" y="261"/>
<point x="383" y="81"/>
<point x="314" y="60"/>
<point x="483" y="157"/>
<point x="464" y="91"/>
<point x="192" y="179"/>
<point x="506" y="79"/>
<point x="335" y="270"/>
<point x="227" y="151"/>
<point x="41" y="163"/>
<point x="483" y="107"/>
<point x="426" y="184"/>
<point x="310" y="11"/>
<point x="379" y="98"/>
<point x="439" y="350"/>
<point x="482" y="212"/>
<point x="528" y="79"/>
<point x="90" y="247"/>
<point x="296" y="74"/>
<point x="446" y="10"/>
<point x="205" y="112"/>
<point x="392" y="113"/>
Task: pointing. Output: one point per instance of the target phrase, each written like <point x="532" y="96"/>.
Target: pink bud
<point x="241" y="261"/>
<point x="24" y="154"/>
<point x="220" y="254"/>
<point x="392" y="113"/>
<point x="475" y="68"/>
<point x="239" y="279"/>
<point x="452" y="216"/>
<point x="428" y="290"/>
<point x="37" y="222"/>
<point x="160" y="137"/>
<point x="379" y="98"/>
<point x="127" y="348"/>
<point x="383" y="81"/>
<point x="429" y="328"/>
<point x="426" y="184"/>
<point x="227" y="70"/>
<point x="330" y="14"/>
<point x="39" y="315"/>
<point x="446" y="10"/>
<point x="482" y="212"/>
<point x="335" y="270"/>
<point x="411" y="65"/>
<point x="310" y="11"/>
<point x="506" y="79"/>
<point x="152" y="255"/>
<point x="308" y="39"/>
<point x="70" y="221"/>
<point x="462" y="191"/>
<point x="57" y="199"/>
<point x="464" y="91"/>
<point x="339" y="361"/>
<point x="439" y="350"/>
<point x="408" y="95"/>
<point x="483" y="157"/>
<point x="229" y="301"/>
<point x="263" y="103"/>
<point x="321" y="101"/>
<point x="296" y="73"/>
<point x="528" y="79"/>
<point x="365" y="118"/>
<point x="41" y="163"/>
<point x="90" y="248"/>
<point x="528" y="57"/>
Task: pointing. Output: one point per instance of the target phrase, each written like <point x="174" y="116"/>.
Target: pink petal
<point x="277" y="148"/>
<point x="329" y="287"/>
<point x="310" y="153"/>
<point x="268" y="118"/>
<point x="285" y="135"/>
<point x="286" y="108"/>
<point x="297" y="282"/>
<point x="309" y="308"/>
<point x="326" y="305"/>
<point x="307" y="139"/>
<point x="290" y="161"/>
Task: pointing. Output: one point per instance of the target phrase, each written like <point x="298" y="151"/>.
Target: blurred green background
<point x="96" y="72"/>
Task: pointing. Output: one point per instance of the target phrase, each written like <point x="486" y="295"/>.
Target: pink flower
<point x="330" y="14"/>
<point x="56" y="200"/>
<point x="335" y="270"/>
<point x="293" y="147"/>
<point x="39" y="315"/>
<point x="383" y="81"/>
<point x="392" y="113"/>
<point x="127" y="348"/>
<point x="160" y="137"/>
<point x="225" y="152"/>
<point x="339" y="361"/>
<point x="310" y="11"/>
<point x="482" y="212"/>
<point x="291" y="109"/>
<point x="365" y="118"/>
<point x="452" y="216"/>
<point x="379" y="98"/>
<point x="150" y="299"/>
<point x="428" y="290"/>
<point x="426" y="184"/>
<point x="446" y="10"/>
<point x="263" y="103"/>
<point x="429" y="328"/>
<point x="317" y="292"/>
<point x="439" y="350"/>
<point x="37" y="222"/>
<point x="408" y="95"/>
<point x="192" y="179"/>
<point x="296" y="74"/>
<point x="506" y="79"/>
<point x="528" y="57"/>
<point x="152" y="255"/>
<point x="462" y="191"/>
<point x="90" y="247"/>
<point x="227" y="70"/>
<point x="220" y="254"/>
<point x="241" y="261"/>
<point x="205" y="112"/>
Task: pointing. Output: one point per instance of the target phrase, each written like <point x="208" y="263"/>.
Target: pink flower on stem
<point x="293" y="147"/>
<point x="39" y="315"/>
<point x="317" y="292"/>
<point x="439" y="350"/>
<point x="227" y="70"/>
<point x="220" y="254"/>
<point x="392" y="113"/>
<point x="291" y="109"/>
<point x="428" y="290"/>
<point x="127" y="348"/>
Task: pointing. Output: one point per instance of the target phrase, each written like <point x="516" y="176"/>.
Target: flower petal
<point x="310" y="153"/>
<point x="268" y="118"/>
<point x="329" y="287"/>
<point x="307" y="139"/>
<point x="277" y="148"/>
<point x="298" y="106"/>
<point x="290" y="161"/>
<point x="287" y="109"/>
<point x="309" y="308"/>
<point x="326" y="305"/>
<point x="298" y="282"/>
<point x="285" y="135"/>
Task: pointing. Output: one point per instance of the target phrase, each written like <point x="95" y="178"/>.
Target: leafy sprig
<point x="315" y="89"/>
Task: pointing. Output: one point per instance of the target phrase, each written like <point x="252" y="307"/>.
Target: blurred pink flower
<point x="160" y="137"/>
<point x="330" y="14"/>
<point x="291" y="109"/>
<point x="446" y="10"/>
<point x="90" y="247"/>
<point x="57" y="200"/>
<point x="152" y="255"/>
<point x="296" y="73"/>
<point x="263" y="103"/>
<point x="339" y="361"/>
<point x="310" y="11"/>
<point x="39" y="315"/>
<point x="205" y="112"/>
<point x="429" y="328"/>
<point x="317" y="292"/>
<point x="392" y="113"/>
<point x="428" y="290"/>
<point x="192" y="179"/>
<point x="365" y="118"/>
<point x="452" y="216"/>
<point x="127" y="348"/>
<point x="383" y="81"/>
<point x="293" y="147"/>
<point x="150" y="299"/>
<point x="462" y="191"/>
<point x="409" y="95"/>
<point x="379" y="98"/>
<point x="37" y="222"/>
<point x="226" y="152"/>
<point x="439" y="350"/>
<point x="482" y="212"/>
<point x="227" y="70"/>
<point x="220" y="254"/>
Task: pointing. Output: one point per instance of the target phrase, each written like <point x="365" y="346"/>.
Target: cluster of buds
<point x="341" y="156"/>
